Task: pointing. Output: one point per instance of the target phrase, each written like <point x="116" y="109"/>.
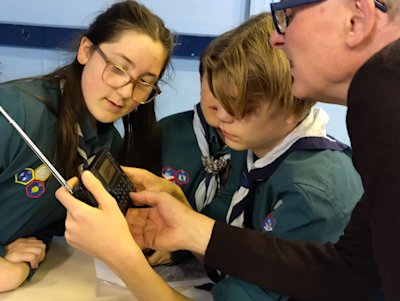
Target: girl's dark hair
<point x="141" y="145"/>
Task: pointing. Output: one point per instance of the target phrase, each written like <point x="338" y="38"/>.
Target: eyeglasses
<point x="281" y="19"/>
<point x="117" y="76"/>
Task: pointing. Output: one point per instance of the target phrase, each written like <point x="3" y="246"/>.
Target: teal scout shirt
<point x="27" y="202"/>
<point x="310" y="197"/>
<point x="181" y="153"/>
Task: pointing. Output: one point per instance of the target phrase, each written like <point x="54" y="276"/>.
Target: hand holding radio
<point x="105" y="168"/>
<point x="101" y="231"/>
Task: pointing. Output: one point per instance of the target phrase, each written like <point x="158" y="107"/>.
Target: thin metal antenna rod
<point x="36" y="150"/>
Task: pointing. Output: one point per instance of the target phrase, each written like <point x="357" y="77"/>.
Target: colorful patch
<point x="168" y="173"/>
<point x="42" y="173"/>
<point x="25" y="177"/>
<point x="182" y="177"/>
<point x="269" y="223"/>
<point x="35" y="189"/>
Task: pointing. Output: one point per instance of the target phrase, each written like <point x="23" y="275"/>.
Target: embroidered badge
<point x="35" y="189"/>
<point x="25" y="177"/>
<point x="42" y="173"/>
<point x="168" y="173"/>
<point x="269" y="223"/>
<point x="181" y="177"/>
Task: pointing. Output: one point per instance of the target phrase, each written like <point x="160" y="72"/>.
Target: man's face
<point x="314" y="44"/>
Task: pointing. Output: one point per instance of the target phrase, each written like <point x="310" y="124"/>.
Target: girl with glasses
<point x="69" y="114"/>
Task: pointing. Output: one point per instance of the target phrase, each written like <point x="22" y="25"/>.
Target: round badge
<point x="269" y="223"/>
<point x="181" y="177"/>
<point x="168" y="173"/>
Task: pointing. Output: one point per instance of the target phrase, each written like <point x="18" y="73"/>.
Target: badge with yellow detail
<point x="35" y="189"/>
<point x="34" y="180"/>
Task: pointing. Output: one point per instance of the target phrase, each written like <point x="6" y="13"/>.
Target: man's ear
<point x="84" y="51"/>
<point x="361" y="23"/>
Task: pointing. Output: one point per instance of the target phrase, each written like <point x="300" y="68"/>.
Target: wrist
<point x="127" y="253"/>
<point x="199" y="233"/>
<point x="12" y="275"/>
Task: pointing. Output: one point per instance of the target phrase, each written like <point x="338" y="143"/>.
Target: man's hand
<point x="145" y="180"/>
<point x="168" y="225"/>
<point x="28" y="249"/>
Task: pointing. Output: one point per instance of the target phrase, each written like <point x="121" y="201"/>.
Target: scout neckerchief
<point x="82" y="149"/>
<point x="212" y="165"/>
<point x="310" y="134"/>
<point x="243" y="197"/>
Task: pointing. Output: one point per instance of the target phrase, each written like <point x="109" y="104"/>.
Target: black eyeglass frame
<point x="283" y="5"/>
<point x="155" y="89"/>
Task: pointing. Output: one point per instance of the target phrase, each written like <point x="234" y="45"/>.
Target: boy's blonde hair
<point x="242" y="58"/>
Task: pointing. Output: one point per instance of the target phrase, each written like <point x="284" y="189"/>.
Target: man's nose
<point x="277" y="40"/>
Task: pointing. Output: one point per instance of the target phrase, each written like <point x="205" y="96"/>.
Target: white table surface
<point x="67" y="274"/>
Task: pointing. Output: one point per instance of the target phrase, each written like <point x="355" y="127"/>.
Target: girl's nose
<point x="126" y="91"/>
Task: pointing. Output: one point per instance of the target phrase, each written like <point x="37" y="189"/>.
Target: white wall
<point x="206" y="17"/>
<point x="182" y="16"/>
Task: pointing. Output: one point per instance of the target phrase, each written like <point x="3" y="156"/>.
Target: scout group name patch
<point x="178" y="177"/>
<point x="34" y="180"/>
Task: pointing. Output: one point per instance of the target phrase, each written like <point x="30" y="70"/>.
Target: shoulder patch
<point x="42" y="173"/>
<point x="269" y="223"/>
<point x="181" y="177"/>
<point x="35" y="189"/>
<point x="25" y="176"/>
<point x="168" y="173"/>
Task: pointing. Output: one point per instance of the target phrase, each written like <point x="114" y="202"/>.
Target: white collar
<point x="314" y="125"/>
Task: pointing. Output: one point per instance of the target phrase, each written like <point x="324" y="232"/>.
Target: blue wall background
<point x="195" y="21"/>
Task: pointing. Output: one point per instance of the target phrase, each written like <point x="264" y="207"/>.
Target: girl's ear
<point x="361" y="23"/>
<point x="84" y="51"/>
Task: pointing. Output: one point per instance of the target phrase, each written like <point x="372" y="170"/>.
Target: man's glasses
<point x="281" y="19"/>
<point x="117" y="76"/>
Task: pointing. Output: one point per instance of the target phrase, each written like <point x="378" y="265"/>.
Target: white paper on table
<point x="185" y="276"/>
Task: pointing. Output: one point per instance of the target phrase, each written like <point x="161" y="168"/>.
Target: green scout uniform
<point x="182" y="163"/>
<point x="309" y="196"/>
<point x="28" y="206"/>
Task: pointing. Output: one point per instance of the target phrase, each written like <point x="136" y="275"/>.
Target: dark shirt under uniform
<point x="368" y="254"/>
